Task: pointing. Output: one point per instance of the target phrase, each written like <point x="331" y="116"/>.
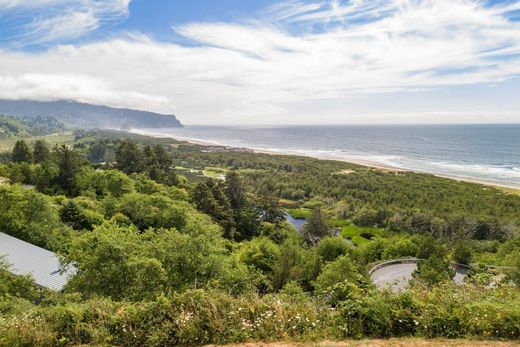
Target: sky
<point x="270" y="62"/>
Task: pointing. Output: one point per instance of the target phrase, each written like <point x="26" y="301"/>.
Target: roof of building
<point x="27" y="259"/>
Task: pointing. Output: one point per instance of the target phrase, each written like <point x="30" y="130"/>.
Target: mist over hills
<point x="82" y="115"/>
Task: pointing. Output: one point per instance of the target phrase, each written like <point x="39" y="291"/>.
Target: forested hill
<point x="83" y="115"/>
<point x="24" y="127"/>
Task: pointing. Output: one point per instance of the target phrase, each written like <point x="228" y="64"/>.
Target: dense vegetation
<point x="168" y="256"/>
<point x="25" y="127"/>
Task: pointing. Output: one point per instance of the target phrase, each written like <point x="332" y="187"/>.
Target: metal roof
<point x="27" y="259"/>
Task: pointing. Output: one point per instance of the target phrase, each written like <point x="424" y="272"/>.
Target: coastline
<point x="367" y="163"/>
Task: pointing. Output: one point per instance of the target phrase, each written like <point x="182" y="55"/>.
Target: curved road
<point x="397" y="276"/>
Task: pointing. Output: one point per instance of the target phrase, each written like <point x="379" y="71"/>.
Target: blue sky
<point x="269" y="62"/>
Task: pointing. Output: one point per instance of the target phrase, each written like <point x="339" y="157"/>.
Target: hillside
<point x="164" y="255"/>
<point x="24" y="127"/>
<point x="83" y="115"/>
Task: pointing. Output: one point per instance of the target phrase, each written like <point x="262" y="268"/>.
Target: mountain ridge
<point x="85" y="115"/>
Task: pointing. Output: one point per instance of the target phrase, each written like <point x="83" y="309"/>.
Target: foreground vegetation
<point x="167" y="256"/>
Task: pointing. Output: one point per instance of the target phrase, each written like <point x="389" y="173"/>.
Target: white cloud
<point x="67" y="26"/>
<point x="48" y="21"/>
<point x="265" y="70"/>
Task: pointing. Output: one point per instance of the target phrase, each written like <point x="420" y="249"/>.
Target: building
<point x="27" y="259"/>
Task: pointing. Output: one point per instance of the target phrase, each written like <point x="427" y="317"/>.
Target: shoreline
<point x="366" y="163"/>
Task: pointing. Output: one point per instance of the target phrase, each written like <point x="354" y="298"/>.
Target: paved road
<point x="397" y="276"/>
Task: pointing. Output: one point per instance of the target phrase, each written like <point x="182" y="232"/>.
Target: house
<point x="27" y="259"/>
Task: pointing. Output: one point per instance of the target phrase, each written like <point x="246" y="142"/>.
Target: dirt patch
<point x="346" y="172"/>
<point x="383" y="343"/>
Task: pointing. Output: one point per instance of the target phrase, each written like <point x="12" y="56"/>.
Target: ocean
<point x="476" y="152"/>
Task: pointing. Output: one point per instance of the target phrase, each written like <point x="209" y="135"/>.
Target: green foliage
<point x="155" y="211"/>
<point x="317" y="227"/>
<point x="68" y="166"/>
<point x="25" y="127"/>
<point x="122" y="263"/>
<point x="15" y="286"/>
<point x="163" y="260"/>
<point x="260" y="253"/>
<point x="434" y="270"/>
<point x="299" y="213"/>
<point x="340" y="270"/>
<point x="513" y="274"/>
<point x="403" y="201"/>
<point x="30" y="216"/>
<point x="41" y="151"/>
<point x="21" y="152"/>
<point x="462" y="253"/>
<point x="330" y="248"/>
<point x="78" y="218"/>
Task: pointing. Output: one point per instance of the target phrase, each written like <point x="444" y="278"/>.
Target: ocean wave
<point x="500" y="173"/>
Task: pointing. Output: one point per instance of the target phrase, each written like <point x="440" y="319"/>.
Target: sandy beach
<point x="367" y="163"/>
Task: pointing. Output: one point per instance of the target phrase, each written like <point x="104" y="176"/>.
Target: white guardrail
<point x="417" y="260"/>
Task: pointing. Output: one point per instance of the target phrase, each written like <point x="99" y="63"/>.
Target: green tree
<point x="72" y="214"/>
<point x="14" y="285"/>
<point x="431" y="247"/>
<point x="269" y="206"/>
<point x="434" y="270"/>
<point x="211" y="200"/>
<point x="288" y="265"/>
<point x="462" y="253"/>
<point x="68" y="165"/>
<point x="340" y="270"/>
<point x="96" y="152"/>
<point x="21" y="152"/>
<point x="235" y="191"/>
<point x="155" y="211"/>
<point x="435" y="267"/>
<point x="30" y="216"/>
<point x="41" y="151"/>
<point x="317" y="227"/>
<point x="330" y="248"/>
<point x="45" y="174"/>
<point x="129" y="158"/>
<point x="117" y="183"/>
<point x="513" y="274"/>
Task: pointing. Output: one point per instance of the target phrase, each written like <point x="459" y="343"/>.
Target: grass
<point x="360" y="235"/>
<point x="209" y="171"/>
<point x="214" y="172"/>
<point x="64" y="138"/>
<point x="507" y="190"/>
<point x="299" y="213"/>
<point x="340" y="223"/>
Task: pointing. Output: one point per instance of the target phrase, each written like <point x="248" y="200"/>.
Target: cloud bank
<point x="296" y="53"/>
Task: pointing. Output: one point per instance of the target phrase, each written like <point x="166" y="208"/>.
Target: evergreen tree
<point x="210" y="199"/>
<point x="21" y="152"/>
<point x="270" y="210"/>
<point x="41" y="151"/>
<point x="164" y="162"/>
<point x="68" y="168"/>
<point x="203" y="199"/>
<point x="129" y="157"/>
<point x="235" y="191"/>
<point x="163" y="158"/>
<point x="97" y="151"/>
<point x="72" y="215"/>
<point x="316" y="228"/>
